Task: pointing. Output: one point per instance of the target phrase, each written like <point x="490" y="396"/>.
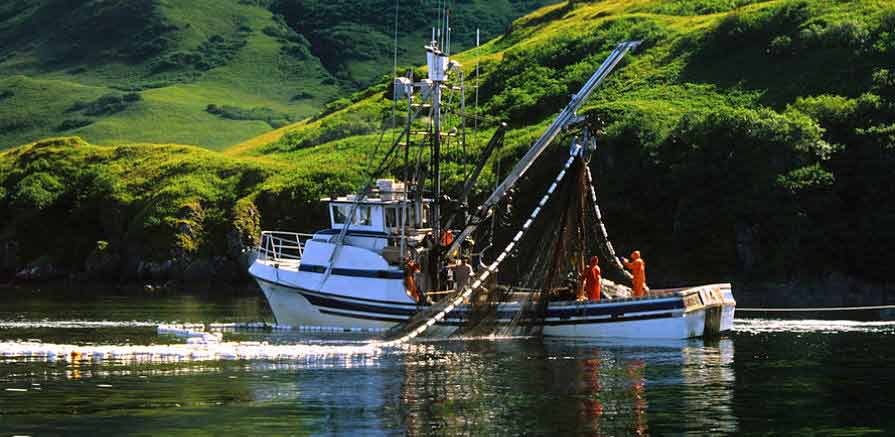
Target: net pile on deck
<point x="554" y="260"/>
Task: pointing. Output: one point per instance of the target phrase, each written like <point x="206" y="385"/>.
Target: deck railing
<point x="282" y="246"/>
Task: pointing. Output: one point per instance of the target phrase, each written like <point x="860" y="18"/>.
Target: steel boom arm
<point x="566" y="117"/>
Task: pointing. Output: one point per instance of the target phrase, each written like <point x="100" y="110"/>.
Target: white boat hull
<point x="709" y="311"/>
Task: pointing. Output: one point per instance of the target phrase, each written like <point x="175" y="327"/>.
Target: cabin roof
<point x="368" y="201"/>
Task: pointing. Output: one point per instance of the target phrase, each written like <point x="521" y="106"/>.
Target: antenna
<point x="395" y="71"/>
<point x="447" y="30"/>
<point x="475" y="121"/>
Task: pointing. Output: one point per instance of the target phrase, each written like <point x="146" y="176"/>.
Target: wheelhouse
<point x="385" y="211"/>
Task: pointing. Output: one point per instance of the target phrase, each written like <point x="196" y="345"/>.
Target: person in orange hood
<point x="590" y="279"/>
<point x="638" y="271"/>
<point x="410" y="269"/>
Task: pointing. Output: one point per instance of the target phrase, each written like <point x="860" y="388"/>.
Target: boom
<point x="566" y="117"/>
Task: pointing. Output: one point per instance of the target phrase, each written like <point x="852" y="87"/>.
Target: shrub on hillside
<point x="5" y="94"/>
<point x="329" y="130"/>
<point x="296" y="51"/>
<point x="107" y="104"/>
<point x="850" y="33"/>
<point x="304" y="95"/>
<point x="37" y="190"/>
<point x="724" y="167"/>
<point x="334" y="106"/>
<point x="273" y="118"/>
<point x="780" y="46"/>
<point x="214" y="52"/>
<point x="884" y="84"/>
<point x="530" y="79"/>
<point x="827" y="109"/>
<point x="742" y="29"/>
<point x="698" y="7"/>
<point x="73" y="123"/>
<point x="16" y="122"/>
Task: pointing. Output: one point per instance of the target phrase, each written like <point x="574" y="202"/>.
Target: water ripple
<point x="761" y="326"/>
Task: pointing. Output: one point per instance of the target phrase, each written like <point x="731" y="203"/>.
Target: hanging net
<point x="543" y="268"/>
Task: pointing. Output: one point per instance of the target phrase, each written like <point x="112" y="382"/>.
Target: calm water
<point x="828" y="378"/>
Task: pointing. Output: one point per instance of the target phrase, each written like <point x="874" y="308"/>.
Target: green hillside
<point x="745" y="139"/>
<point x="176" y="58"/>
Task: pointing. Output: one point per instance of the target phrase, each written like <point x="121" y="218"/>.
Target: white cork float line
<point x="488" y="270"/>
<point x="182" y="352"/>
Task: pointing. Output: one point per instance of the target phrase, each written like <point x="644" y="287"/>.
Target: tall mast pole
<point x="437" y="62"/>
<point x="436" y="157"/>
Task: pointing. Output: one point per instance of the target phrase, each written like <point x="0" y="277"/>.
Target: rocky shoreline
<point x="832" y="291"/>
<point x="178" y="274"/>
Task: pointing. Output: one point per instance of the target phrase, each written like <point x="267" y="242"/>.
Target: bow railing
<point x="282" y="246"/>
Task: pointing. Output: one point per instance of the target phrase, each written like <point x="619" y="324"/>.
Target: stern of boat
<point x="717" y="304"/>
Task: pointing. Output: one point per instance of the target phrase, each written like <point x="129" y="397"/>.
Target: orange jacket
<point x="638" y="271"/>
<point x="592" y="279"/>
<point x="409" y="282"/>
<point x="447" y="238"/>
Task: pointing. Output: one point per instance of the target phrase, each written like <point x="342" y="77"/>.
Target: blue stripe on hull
<point x="381" y="274"/>
<point x="458" y="322"/>
<point x="606" y="312"/>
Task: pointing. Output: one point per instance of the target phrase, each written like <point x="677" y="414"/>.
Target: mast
<point x="437" y="62"/>
<point x="436" y="156"/>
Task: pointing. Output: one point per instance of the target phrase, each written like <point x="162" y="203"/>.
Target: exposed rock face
<point x="189" y="253"/>
<point x="102" y="263"/>
<point x="246" y="230"/>
<point x="833" y="291"/>
<point x="747" y="246"/>
<point x="199" y="270"/>
<point x="9" y="256"/>
<point x="41" y="269"/>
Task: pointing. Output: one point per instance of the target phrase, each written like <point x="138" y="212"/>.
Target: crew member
<point x="638" y="271"/>
<point x="590" y="280"/>
<point x="462" y="273"/>
<point x="447" y="238"/>
<point x="410" y="269"/>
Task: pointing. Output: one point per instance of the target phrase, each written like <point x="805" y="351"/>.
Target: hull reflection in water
<point x="603" y="388"/>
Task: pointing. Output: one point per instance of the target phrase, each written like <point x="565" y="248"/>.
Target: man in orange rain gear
<point x="447" y="238"/>
<point x="410" y="269"/>
<point x="638" y="271"/>
<point x="590" y="280"/>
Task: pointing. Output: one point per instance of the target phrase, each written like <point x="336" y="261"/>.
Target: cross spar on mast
<point x="565" y="118"/>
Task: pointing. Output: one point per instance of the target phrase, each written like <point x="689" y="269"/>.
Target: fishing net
<point x="542" y="269"/>
<point x="548" y="267"/>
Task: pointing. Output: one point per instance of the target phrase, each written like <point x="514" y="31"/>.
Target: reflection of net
<point x="549" y="268"/>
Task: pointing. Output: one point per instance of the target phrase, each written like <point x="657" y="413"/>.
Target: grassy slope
<point x="257" y="76"/>
<point x="652" y="112"/>
<point x="673" y="76"/>
<point x="58" y="62"/>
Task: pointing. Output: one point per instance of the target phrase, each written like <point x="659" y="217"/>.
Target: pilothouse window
<point x="340" y="214"/>
<point x="391" y="217"/>
<point x="363" y="217"/>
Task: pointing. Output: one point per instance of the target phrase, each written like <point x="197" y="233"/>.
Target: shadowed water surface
<point x="825" y="377"/>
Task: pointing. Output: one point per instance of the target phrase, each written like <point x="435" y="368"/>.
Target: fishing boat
<point x="363" y="271"/>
